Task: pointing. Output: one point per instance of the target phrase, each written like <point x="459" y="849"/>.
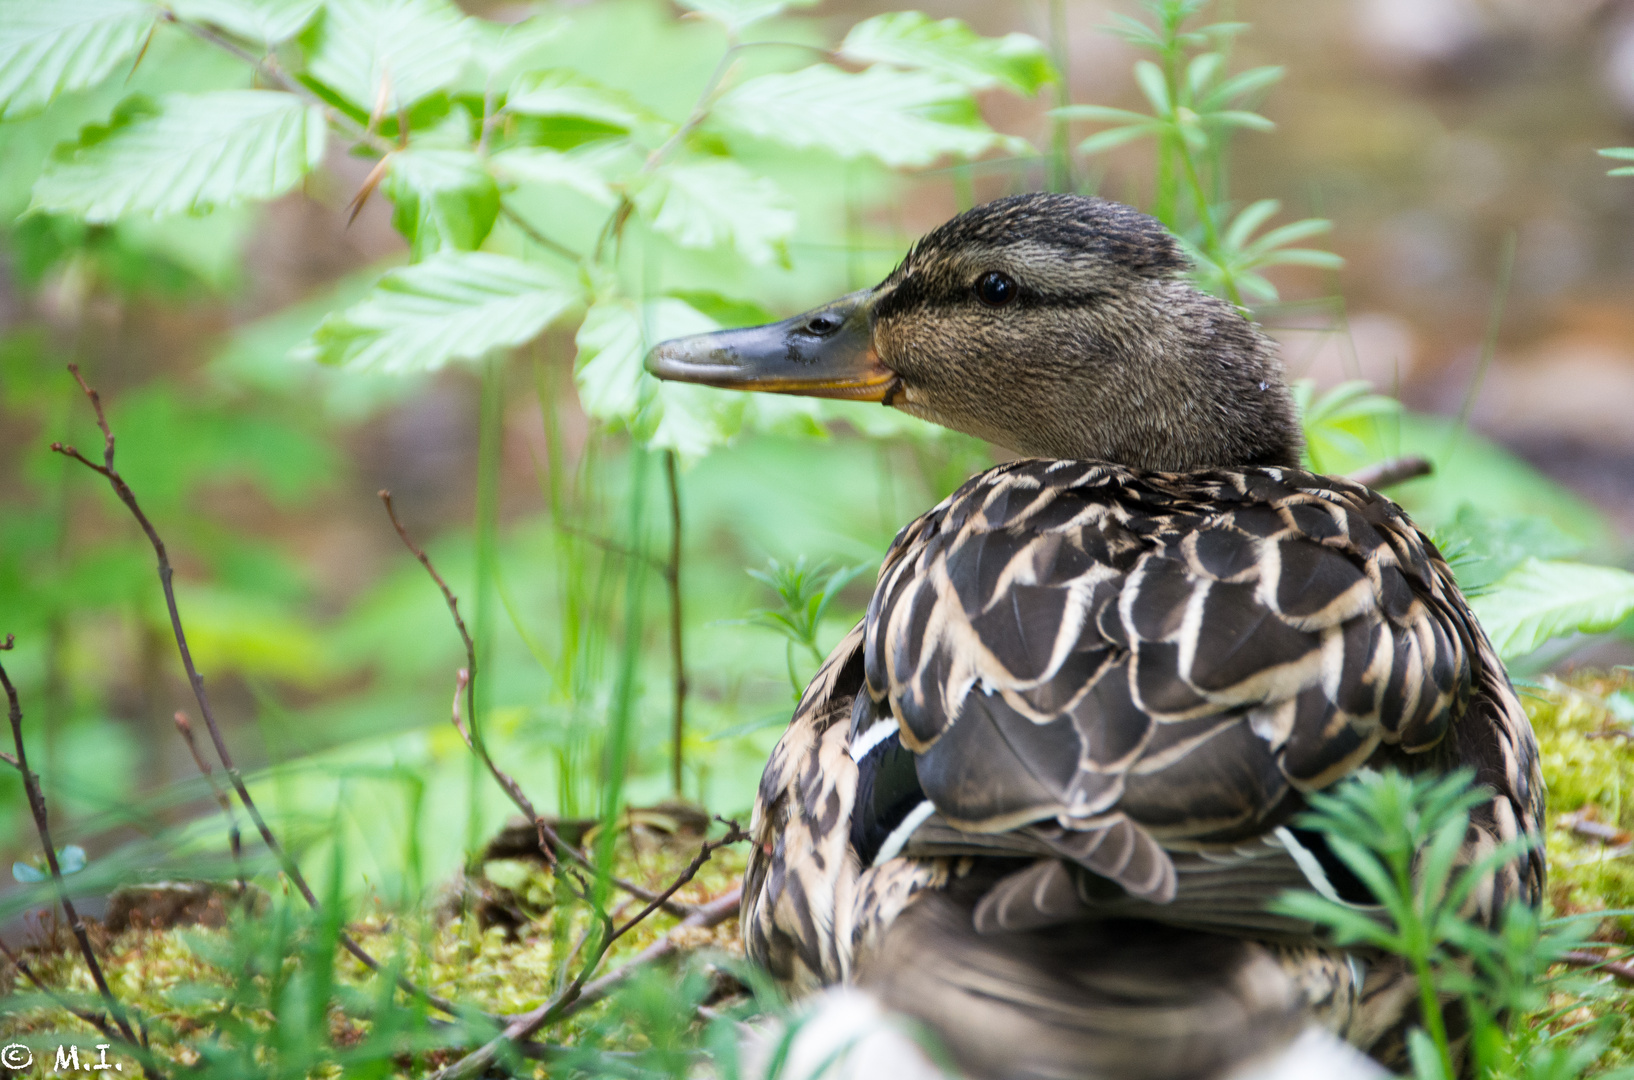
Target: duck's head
<point x="1054" y="325"/>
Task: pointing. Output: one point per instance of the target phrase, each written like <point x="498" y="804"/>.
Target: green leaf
<point x="1252" y="217"/>
<point x="614" y="385"/>
<point x="911" y="39"/>
<point x="1619" y="153"/>
<point x="1149" y="77"/>
<point x="26" y="874"/>
<point x="564" y="93"/>
<point x="453" y="306"/>
<point x="576" y="170"/>
<point x="1425" y="1056"/>
<point x="265" y="22"/>
<point x="391" y="52"/>
<point x="187" y="154"/>
<point x="1101" y="113"/>
<point x="1245" y="82"/>
<point x="502" y="52"/>
<point x="1106" y="140"/>
<point x="1540" y="600"/>
<point x="49" y="47"/>
<point x="901" y="118"/>
<point x="718" y="203"/>
<point x="444" y="199"/>
<point x="737" y="14"/>
<point x="1239" y="118"/>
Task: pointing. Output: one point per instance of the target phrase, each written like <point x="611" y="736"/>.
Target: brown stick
<point x="166" y="573"/>
<point x="672" y="576"/>
<point x="234" y="840"/>
<point x="36" y="806"/>
<point x="96" y="1020"/>
<point x="1621" y="970"/>
<point x="580" y="994"/>
<point x="711" y="914"/>
<point x="1392" y="471"/>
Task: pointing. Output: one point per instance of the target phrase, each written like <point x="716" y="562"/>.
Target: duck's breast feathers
<point x="1185" y="652"/>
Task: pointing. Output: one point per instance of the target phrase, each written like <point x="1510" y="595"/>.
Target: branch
<point x="549" y="842"/>
<point x="579" y="994"/>
<point x="267" y="67"/>
<point x="96" y="1020"/>
<point x="1392" y="471"/>
<point x="672" y="577"/>
<point x="1622" y="970"/>
<point x="36" y="806"/>
<point x="233" y="839"/>
<point x="196" y="681"/>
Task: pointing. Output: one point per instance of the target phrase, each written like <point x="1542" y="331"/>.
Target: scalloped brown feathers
<point x="1118" y="686"/>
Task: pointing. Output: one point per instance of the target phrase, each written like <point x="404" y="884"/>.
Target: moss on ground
<point x="496" y="940"/>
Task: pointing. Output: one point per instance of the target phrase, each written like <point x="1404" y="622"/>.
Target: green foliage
<point x="272" y="1005"/>
<point x="1402" y="837"/>
<point x="1540" y="600"/>
<point x="50" y="49"/>
<point x="453" y="306"/>
<point x="386" y="54"/>
<point x="911" y="39"/>
<point x="185" y="153"/>
<point x="1339" y="422"/>
<point x="1620" y="153"/>
<point x="806" y="593"/>
<point x="442" y="199"/>
<point x="1195" y="107"/>
<point x="900" y="118"/>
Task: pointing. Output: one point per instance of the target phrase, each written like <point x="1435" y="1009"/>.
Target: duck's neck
<point x="1198" y="387"/>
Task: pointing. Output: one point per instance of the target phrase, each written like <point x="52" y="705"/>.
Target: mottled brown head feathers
<point x="1097" y="347"/>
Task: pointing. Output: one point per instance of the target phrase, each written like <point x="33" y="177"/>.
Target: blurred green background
<point x="1487" y="283"/>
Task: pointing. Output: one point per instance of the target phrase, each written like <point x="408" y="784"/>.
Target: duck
<point x="1041" y="797"/>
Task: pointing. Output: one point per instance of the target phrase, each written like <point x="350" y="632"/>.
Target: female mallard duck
<point x="1042" y="795"/>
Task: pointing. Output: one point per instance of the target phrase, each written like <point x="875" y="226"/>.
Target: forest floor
<point x="497" y="939"/>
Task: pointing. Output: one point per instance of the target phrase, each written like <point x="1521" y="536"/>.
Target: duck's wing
<point x="806" y="902"/>
<point x="1120" y="667"/>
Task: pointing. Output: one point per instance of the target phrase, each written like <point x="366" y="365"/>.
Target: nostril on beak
<point x="823" y="325"/>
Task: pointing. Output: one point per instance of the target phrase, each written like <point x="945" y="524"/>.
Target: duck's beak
<point x="827" y="352"/>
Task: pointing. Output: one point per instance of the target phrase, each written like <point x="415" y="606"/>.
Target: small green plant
<point x="806" y="592"/>
<point x="1340" y="423"/>
<point x="281" y="1007"/>
<point x="1620" y="153"/>
<point x="1403" y="837"/>
<point x="1195" y="107"/>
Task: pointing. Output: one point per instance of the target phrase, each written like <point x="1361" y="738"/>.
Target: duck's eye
<point x="995" y="289"/>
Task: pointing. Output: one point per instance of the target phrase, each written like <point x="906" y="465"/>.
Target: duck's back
<point x="1084" y="693"/>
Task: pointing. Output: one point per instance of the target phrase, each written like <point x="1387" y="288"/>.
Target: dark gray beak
<point x="827" y="352"/>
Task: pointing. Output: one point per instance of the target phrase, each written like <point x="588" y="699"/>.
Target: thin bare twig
<point x="550" y="843"/>
<point x="1621" y="970"/>
<point x="234" y="840"/>
<point x="579" y="993"/>
<point x="527" y="228"/>
<point x="267" y="67"/>
<point x="96" y="1020"/>
<point x="196" y="681"/>
<point x="1392" y="471"/>
<point x="672" y="577"/>
<point x="36" y="806"/>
